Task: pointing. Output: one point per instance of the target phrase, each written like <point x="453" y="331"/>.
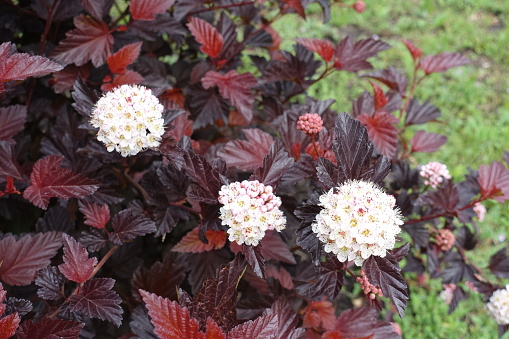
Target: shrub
<point x="164" y="174"/>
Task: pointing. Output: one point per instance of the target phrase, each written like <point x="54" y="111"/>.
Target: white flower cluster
<point x="129" y="119"/>
<point x="358" y="220"/>
<point x="498" y="306"/>
<point x="250" y="208"/>
<point x="435" y="173"/>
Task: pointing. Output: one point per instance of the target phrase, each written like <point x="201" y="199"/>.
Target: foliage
<point x="144" y="250"/>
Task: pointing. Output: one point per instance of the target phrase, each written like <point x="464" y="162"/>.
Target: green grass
<point x="474" y="103"/>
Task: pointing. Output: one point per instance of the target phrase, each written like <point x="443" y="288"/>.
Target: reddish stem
<point x="434" y="216"/>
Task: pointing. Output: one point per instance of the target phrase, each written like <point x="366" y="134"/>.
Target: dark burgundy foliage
<point x="94" y="243"/>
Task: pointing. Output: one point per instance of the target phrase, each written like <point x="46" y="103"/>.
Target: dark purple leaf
<point x="287" y="320"/>
<point x="419" y="233"/>
<point x="427" y="142"/>
<point x="457" y="295"/>
<point x="140" y="324"/>
<point x="445" y="198"/>
<point x="84" y="98"/>
<point x="494" y="181"/>
<point x="390" y="77"/>
<point x="363" y="322"/>
<point x="273" y="247"/>
<point x="327" y="173"/>
<point x="275" y="164"/>
<point x="442" y="62"/>
<point x="15" y="305"/>
<point x="306" y="238"/>
<point x="50" y="283"/>
<point x="12" y="121"/>
<point x="414" y="264"/>
<point x="48" y="328"/>
<point x="350" y="56"/>
<point x="466" y="239"/>
<point x="56" y="218"/>
<point x="128" y="225"/>
<point x="327" y="282"/>
<point x="420" y="113"/>
<point x="262" y="327"/>
<point x="499" y="264"/>
<point x="400" y="253"/>
<point x="457" y="269"/>
<point x="93" y="240"/>
<point x="96" y="299"/>
<point x="22" y="258"/>
<point x="386" y="273"/>
<point x="209" y="262"/>
<point x="77" y="265"/>
<point x="9" y="165"/>
<point x="255" y="259"/>
<point x="206" y="106"/>
<point x="97" y="8"/>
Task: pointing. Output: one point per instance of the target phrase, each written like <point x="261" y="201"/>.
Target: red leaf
<point x="324" y="48"/>
<point x="128" y="78"/>
<point x="96" y="216"/>
<point x="12" y="121"/>
<point x="49" y="180"/>
<point x="319" y="314"/>
<point x="207" y="35"/>
<point x="64" y="80"/>
<point x="9" y="166"/>
<point x="125" y="56"/>
<point x="382" y="131"/>
<point x="350" y="56"/>
<point x="262" y="327"/>
<point x="91" y="40"/>
<point x="21" y="259"/>
<point x="213" y="331"/>
<point x="48" y="328"/>
<point x="8" y="325"/>
<point x="273" y="247"/>
<point x="191" y="243"/>
<point x="247" y="154"/>
<point x="77" y="265"/>
<point x="169" y="319"/>
<point x="296" y="5"/>
<point x="363" y="322"/>
<point x="282" y="275"/>
<point x="234" y="87"/>
<point x="427" y="142"/>
<point x="337" y="335"/>
<point x="380" y="98"/>
<point x="96" y="300"/>
<point x="128" y="225"/>
<point x="494" y="181"/>
<point x="147" y="9"/>
<point x="414" y="50"/>
<point x="442" y="62"/>
<point x="19" y="66"/>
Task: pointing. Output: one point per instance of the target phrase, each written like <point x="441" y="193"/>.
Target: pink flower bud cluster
<point x="447" y="293"/>
<point x="129" y="119"/>
<point x="250" y="208"/>
<point x="434" y="173"/>
<point x="358" y="220"/>
<point x="359" y="6"/>
<point x="498" y="306"/>
<point x="445" y="239"/>
<point x="368" y="289"/>
<point x="311" y="124"/>
<point x="480" y="210"/>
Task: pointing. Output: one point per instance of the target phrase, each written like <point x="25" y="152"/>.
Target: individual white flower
<point x="358" y="220"/>
<point x="129" y="119"/>
<point x="498" y="306"/>
<point x="249" y="209"/>
<point x="434" y="173"/>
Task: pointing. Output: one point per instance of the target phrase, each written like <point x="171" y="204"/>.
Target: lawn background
<point x="475" y="115"/>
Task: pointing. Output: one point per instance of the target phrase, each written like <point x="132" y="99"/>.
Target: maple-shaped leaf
<point x="8" y="325"/>
<point x="262" y="327"/>
<point x="457" y="269"/>
<point x="96" y="299"/>
<point x="148" y="9"/>
<point x="49" y="180"/>
<point x="129" y="224"/>
<point x="293" y="5"/>
<point x="77" y="266"/>
<point x="97" y="8"/>
<point x="118" y="61"/>
<point x="324" y="48"/>
<point x="287" y="319"/>
<point x="47" y="328"/>
<point x="95" y="215"/>
<point x="390" y="77"/>
<point x="191" y="243"/>
<point x="213" y="331"/>
<point x="319" y="314"/>
<point x="273" y="247"/>
<point x="84" y="98"/>
<point x="237" y="88"/>
<point x="9" y="165"/>
<point x="306" y="238"/>
<point x="494" y="181"/>
<point x="50" y="283"/>
<point x="16" y="305"/>
<point x="19" y="66"/>
<point x="275" y="164"/>
<point x="382" y="131"/>
<point x="353" y="151"/>
<point x="22" y="258"/>
<point x="363" y="322"/>
<point x="91" y="40"/>
<point x="170" y="320"/>
<point x="380" y="98"/>
<point x="255" y="259"/>
<point x="207" y="35"/>
<point x="93" y="240"/>
<point x="387" y="274"/>
<point x="327" y="280"/>
<point x="127" y="78"/>
<point x="427" y="142"/>
<point x="442" y="62"/>
<point x="414" y="50"/>
<point x="420" y="113"/>
<point x="350" y="56"/>
<point x="247" y="154"/>
<point x="12" y="120"/>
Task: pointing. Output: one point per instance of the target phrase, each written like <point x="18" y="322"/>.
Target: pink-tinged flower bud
<point x="434" y="173"/>
<point x="447" y="293"/>
<point x="311" y="124"/>
<point x="445" y="239"/>
<point x="480" y="210"/>
<point x="359" y="6"/>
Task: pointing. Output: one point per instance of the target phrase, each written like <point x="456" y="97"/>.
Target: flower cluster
<point x="358" y="220"/>
<point x="367" y="287"/>
<point x="250" y="208"/>
<point x="447" y="293"/>
<point x="434" y="173"/>
<point x="498" y="306"/>
<point x="359" y="6"/>
<point x="129" y="119"/>
<point x="480" y="210"/>
<point x="310" y="124"/>
<point x="445" y="239"/>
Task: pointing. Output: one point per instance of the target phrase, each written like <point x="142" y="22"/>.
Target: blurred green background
<point x="473" y="99"/>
